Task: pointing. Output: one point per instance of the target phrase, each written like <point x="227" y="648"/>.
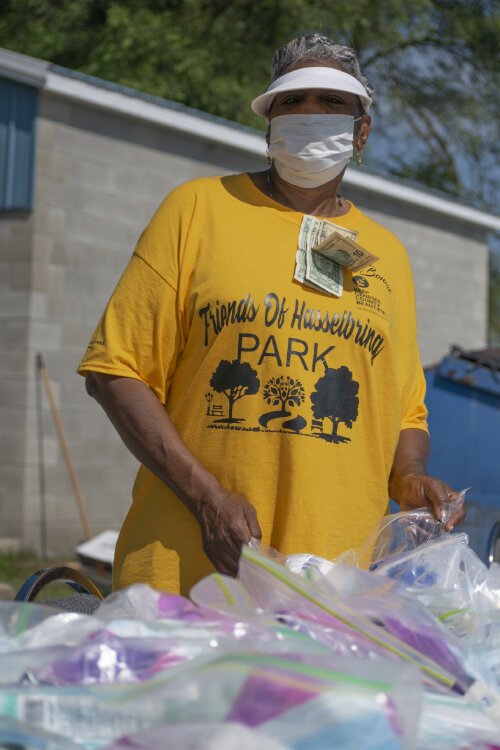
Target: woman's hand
<point x="411" y="487"/>
<point x="227" y="520"/>
<point x="421" y="490"/>
<point x="226" y="523"/>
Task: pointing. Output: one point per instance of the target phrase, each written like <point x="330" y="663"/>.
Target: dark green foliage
<point x="434" y="65"/>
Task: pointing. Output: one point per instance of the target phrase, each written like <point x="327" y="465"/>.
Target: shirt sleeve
<point x="140" y="334"/>
<point x="414" y="408"/>
<point x="411" y="375"/>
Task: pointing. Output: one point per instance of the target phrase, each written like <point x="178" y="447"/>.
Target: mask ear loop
<point x="359" y="160"/>
<point x="268" y="136"/>
<point x="359" y="151"/>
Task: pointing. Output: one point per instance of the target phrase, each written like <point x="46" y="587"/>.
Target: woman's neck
<point x="318" y="201"/>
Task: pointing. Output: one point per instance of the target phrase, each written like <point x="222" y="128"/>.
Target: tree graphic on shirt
<point x="285" y="391"/>
<point x="336" y="397"/>
<point x="234" y="379"/>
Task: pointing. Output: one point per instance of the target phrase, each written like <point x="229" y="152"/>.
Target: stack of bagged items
<point x="297" y="653"/>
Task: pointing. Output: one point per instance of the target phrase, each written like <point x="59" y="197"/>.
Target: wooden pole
<point x="41" y="466"/>
<point x="64" y="446"/>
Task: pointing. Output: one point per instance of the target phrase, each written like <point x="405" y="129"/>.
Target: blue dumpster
<point x="463" y="398"/>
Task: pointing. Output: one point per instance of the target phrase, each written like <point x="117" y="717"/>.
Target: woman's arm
<point x="409" y="484"/>
<point x="227" y="520"/>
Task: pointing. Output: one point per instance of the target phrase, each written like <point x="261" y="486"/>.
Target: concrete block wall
<point x="99" y="178"/>
<point x="451" y="275"/>
<point x="16" y="303"/>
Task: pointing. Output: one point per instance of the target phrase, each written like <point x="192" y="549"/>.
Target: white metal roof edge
<point x="23" y="68"/>
<point x="184" y="122"/>
<point x="254" y="145"/>
<point x="430" y="201"/>
<point x="38" y="73"/>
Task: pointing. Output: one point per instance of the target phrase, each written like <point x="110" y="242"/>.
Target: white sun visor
<point x="310" y="78"/>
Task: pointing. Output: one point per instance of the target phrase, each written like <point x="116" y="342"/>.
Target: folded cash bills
<point x="318" y="272"/>
<point x="344" y="251"/>
<point x="324" y="250"/>
<point x="312" y="269"/>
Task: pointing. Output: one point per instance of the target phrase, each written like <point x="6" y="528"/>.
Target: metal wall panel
<point x="18" y="109"/>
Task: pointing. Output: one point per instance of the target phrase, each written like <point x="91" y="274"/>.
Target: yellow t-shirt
<point x="289" y="396"/>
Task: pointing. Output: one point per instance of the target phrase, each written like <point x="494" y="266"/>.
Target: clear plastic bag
<point x="18" y="735"/>
<point x="450" y="509"/>
<point x="275" y="589"/>
<point x="404" y="616"/>
<point x="450" y="723"/>
<point x="89" y="719"/>
<point x="223" y="595"/>
<point x="301" y="563"/>
<point x="32" y="635"/>
<point x="446" y="575"/>
<point x="338" y="720"/>
<point x="18" y="617"/>
<point x="397" y="535"/>
<point x="144" y="603"/>
<point x="400" y="533"/>
<point x="294" y="704"/>
<point x="479" y="638"/>
<point x="108" y="659"/>
<point x="258" y="690"/>
<point x="200" y="736"/>
<point x="331" y="656"/>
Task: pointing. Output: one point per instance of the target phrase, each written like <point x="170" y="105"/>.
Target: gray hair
<point x="320" y="49"/>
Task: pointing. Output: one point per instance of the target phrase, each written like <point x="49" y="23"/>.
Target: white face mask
<point x="310" y="150"/>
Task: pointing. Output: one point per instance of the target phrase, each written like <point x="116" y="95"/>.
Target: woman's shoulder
<point x="184" y="198"/>
<point x="205" y="185"/>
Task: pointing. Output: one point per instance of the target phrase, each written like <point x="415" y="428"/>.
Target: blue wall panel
<point x="464" y="421"/>
<point x="18" y="109"/>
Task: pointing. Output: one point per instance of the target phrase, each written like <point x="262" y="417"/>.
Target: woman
<point x="259" y="402"/>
